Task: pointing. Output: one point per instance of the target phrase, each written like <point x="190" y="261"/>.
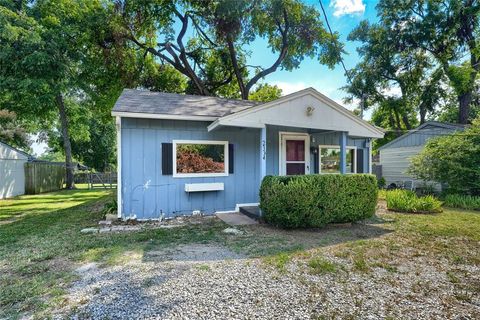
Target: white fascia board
<point x="243" y="124"/>
<point x="161" y="116"/>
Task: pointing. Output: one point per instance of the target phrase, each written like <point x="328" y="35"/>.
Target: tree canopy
<point x="209" y="47"/>
<point x="417" y="61"/>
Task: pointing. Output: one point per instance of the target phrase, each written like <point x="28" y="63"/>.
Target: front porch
<point x="306" y="133"/>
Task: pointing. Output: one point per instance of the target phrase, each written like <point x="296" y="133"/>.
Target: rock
<point x="169" y="226"/>
<point x="89" y="230"/>
<point x="105" y="222"/>
<point x="111" y="217"/>
<point x="233" y="231"/>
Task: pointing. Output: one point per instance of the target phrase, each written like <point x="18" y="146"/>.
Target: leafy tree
<point x="452" y="159"/>
<point x="209" y="47"/>
<point x="448" y="31"/>
<point x="388" y="65"/>
<point x="265" y="93"/>
<point x="11" y="131"/>
<point x="58" y="66"/>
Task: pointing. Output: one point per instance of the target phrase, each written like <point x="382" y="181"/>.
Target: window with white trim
<point x="200" y="158"/>
<point x="330" y="159"/>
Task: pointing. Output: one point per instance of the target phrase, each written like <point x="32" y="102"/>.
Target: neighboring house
<point x="183" y="154"/>
<point x="395" y="156"/>
<point x="12" y="172"/>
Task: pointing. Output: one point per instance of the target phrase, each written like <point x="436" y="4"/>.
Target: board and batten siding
<point x="148" y="194"/>
<point x="12" y="173"/>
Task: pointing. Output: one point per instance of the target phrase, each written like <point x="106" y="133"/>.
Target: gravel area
<point x="200" y="281"/>
<point x="187" y="282"/>
<point x="209" y="281"/>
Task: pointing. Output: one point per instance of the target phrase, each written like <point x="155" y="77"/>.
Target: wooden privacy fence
<point x="43" y="177"/>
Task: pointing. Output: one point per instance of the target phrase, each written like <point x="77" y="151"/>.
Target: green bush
<point x="407" y="201"/>
<point x="316" y="200"/>
<point x="453" y="160"/>
<point x="462" y="201"/>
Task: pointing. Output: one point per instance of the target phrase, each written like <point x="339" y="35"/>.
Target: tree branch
<point x="236" y="68"/>
<point x="281" y="56"/>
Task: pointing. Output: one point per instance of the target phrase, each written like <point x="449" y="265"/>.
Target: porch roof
<point x="307" y="108"/>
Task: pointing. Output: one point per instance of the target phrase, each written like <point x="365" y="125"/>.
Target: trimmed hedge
<point x="316" y="200"/>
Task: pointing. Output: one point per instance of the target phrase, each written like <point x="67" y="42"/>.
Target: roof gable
<point x="307" y="109"/>
<point x="425" y="131"/>
<point x="9" y="152"/>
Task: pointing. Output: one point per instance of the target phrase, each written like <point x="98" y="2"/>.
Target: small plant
<point x="462" y="201"/>
<point x="203" y="267"/>
<point x="320" y="265"/>
<point x="381" y="183"/>
<point x="407" y="201"/>
<point x="110" y="207"/>
<point x="279" y="261"/>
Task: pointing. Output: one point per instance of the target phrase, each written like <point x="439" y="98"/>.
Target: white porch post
<point x="343" y="152"/>
<point x="263" y="153"/>
<point x="370" y="156"/>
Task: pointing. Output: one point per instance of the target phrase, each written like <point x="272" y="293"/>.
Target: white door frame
<point x="282" y="163"/>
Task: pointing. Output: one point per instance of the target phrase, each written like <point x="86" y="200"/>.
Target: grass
<point x="320" y="265"/>
<point x="462" y="201"/>
<point x="41" y="245"/>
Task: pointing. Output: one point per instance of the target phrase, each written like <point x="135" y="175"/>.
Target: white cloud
<point x="344" y="7"/>
<point x="289" y="87"/>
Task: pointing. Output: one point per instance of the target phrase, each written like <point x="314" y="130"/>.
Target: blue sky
<point x="343" y="15"/>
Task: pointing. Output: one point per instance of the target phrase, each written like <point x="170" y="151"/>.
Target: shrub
<point x="462" y="201"/>
<point x="110" y="207"/>
<point x="316" y="200"/>
<point x="407" y="201"/>
<point x="453" y="160"/>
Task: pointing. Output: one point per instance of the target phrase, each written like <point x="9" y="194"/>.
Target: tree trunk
<point x="406" y="121"/>
<point x="423" y="114"/>
<point x="67" y="146"/>
<point x="464" y="101"/>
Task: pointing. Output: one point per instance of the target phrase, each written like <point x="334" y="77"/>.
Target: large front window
<point x="200" y="158"/>
<point x="330" y="159"/>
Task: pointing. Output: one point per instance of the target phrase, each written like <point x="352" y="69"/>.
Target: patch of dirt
<point x="192" y="252"/>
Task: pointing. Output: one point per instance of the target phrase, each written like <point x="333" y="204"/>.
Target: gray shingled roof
<point x="143" y="101"/>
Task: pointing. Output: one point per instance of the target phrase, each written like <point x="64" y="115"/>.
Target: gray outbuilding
<point x="12" y="172"/>
<point x="396" y="155"/>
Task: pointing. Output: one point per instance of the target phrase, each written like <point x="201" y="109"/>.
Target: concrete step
<point x="251" y="212"/>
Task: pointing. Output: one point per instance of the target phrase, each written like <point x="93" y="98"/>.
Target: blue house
<point x="185" y="154"/>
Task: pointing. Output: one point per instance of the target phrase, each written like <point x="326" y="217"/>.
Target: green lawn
<point x="41" y="244"/>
